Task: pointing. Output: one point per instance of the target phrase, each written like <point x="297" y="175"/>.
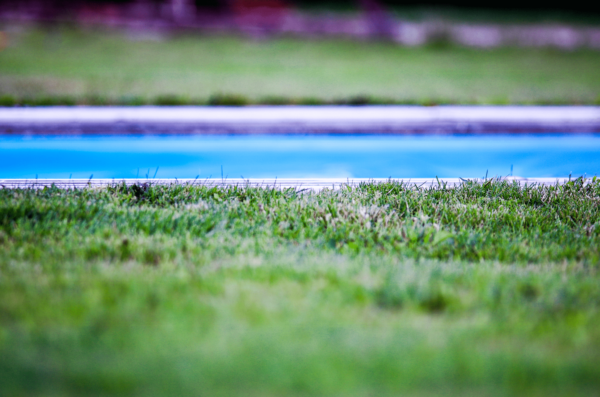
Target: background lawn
<point x="486" y="289"/>
<point x="98" y="65"/>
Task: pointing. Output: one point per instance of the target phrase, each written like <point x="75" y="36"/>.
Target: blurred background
<point x="236" y="52"/>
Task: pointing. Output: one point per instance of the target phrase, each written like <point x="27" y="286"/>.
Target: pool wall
<point x="308" y="184"/>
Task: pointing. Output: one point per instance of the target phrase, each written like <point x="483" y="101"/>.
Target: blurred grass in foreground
<point x="66" y="66"/>
<point x="488" y="289"/>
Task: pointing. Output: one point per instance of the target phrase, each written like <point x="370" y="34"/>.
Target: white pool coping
<point x="315" y="118"/>
<point x="191" y="114"/>
<point x="308" y="184"/>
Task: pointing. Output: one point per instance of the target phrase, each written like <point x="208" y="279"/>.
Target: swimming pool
<point x="299" y="156"/>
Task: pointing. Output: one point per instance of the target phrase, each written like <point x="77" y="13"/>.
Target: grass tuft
<point x="7" y="101"/>
<point x="228" y="100"/>
<point x="170" y="100"/>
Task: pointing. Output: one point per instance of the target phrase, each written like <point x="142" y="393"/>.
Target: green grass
<point x="97" y="67"/>
<point x="379" y="290"/>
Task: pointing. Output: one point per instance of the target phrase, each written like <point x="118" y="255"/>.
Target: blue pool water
<point x="291" y="156"/>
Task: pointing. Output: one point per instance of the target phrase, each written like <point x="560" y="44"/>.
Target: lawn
<point x="379" y="290"/>
<point x="95" y="67"/>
